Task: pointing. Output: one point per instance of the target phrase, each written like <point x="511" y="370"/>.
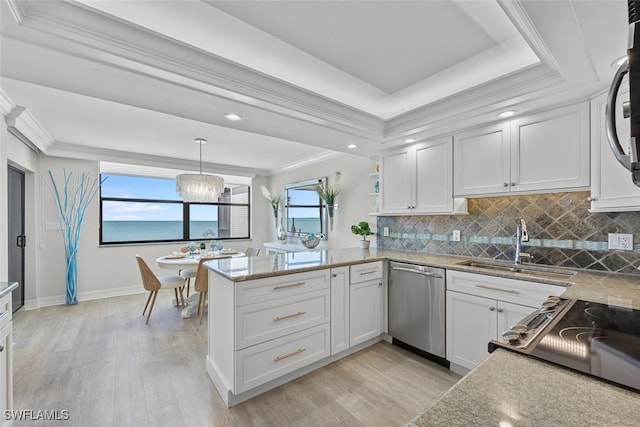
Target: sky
<point x="147" y="188"/>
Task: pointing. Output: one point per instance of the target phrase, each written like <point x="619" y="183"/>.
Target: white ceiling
<point x="139" y="80"/>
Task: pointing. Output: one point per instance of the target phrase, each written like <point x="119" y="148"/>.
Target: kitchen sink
<point x="520" y="269"/>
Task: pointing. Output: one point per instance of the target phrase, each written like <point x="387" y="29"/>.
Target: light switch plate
<point x="50" y="226"/>
<point x="621" y="241"/>
<point x="385" y="231"/>
<point x="456" y="235"/>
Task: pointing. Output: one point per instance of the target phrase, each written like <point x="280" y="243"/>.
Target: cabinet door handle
<point x="506" y="184"/>
<point x="513" y="184"/>
<point x="1" y="348"/>
<point x="379" y="283"/>
<point x="290" y="285"/>
<point x="334" y="275"/>
<point x="362" y="273"/>
<point x="591" y="199"/>
<point x="293" y="353"/>
<point x="492" y="288"/>
<point x="500" y="310"/>
<point x="424" y="273"/>
<point x="289" y="316"/>
<point x="492" y="308"/>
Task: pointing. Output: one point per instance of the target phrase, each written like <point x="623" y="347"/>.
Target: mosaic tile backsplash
<point x="562" y="232"/>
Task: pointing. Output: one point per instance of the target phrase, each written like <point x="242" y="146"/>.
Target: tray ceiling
<point x="308" y="77"/>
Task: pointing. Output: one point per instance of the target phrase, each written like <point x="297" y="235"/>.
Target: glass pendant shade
<point x="199" y="188"/>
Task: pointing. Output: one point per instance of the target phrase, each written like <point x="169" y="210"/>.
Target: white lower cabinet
<point x="339" y="309"/>
<point x="366" y="302"/>
<point x="473" y="321"/>
<point x="267" y="361"/>
<point x="481" y="307"/>
<point x="263" y="332"/>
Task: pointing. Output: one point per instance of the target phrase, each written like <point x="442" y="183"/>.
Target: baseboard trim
<point x="83" y="296"/>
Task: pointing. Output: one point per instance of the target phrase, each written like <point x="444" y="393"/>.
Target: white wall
<point x="112" y="270"/>
<point x="354" y="200"/>
<point x="102" y="270"/>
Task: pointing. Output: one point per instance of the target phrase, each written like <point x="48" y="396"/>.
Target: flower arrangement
<point x="274" y="200"/>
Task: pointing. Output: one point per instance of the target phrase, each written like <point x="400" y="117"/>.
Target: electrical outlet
<point x="456" y="235"/>
<point x="385" y="231"/>
<point x="621" y="241"/>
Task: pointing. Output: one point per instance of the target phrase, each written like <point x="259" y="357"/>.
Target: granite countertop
<point x="606" y="288"/>
<point x="6" y="287"/>
<point x="510" y="389"/>
<point x="507" y="389"/>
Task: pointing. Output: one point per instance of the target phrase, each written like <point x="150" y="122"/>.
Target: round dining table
<point x="181" y="262"/>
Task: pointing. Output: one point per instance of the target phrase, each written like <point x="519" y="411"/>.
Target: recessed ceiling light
<point x="618" y="62"/>
<point x="505" y="114"/>
<point x="352" y="146"/>
<point x="232" y="116"/>
<point x="410" y="140"/>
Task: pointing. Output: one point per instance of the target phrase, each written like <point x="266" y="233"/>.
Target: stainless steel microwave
<point x="628" y="156"/>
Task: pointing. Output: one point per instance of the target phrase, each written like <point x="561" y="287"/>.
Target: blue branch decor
<point x="72" y="200"/>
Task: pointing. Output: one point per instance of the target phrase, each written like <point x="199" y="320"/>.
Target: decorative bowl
<point x="310" y="241"/>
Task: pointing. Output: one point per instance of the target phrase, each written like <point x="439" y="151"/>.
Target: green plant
<point x="362" y="229"/>
<point x="329" y="193"/>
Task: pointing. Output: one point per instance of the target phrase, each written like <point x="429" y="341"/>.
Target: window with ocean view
<point x="136" y="209"/>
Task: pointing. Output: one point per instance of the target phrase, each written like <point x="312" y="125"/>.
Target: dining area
<point x="189" y="280"/>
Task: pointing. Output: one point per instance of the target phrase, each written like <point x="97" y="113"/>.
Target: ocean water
<point x="129" y="231"/>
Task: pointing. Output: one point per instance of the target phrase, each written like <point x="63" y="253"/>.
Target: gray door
<point x="15" y="216"/>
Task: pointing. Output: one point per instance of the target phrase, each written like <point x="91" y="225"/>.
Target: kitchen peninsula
<point x="318" y="268"/>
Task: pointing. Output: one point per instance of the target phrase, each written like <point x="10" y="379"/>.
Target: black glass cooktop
<point x="597" y="339"/>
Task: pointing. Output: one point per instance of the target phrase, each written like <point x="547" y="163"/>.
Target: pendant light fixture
<point x="199" y="188"/>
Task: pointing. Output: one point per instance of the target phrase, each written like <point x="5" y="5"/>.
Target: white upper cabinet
<point x="418" y="179"/>
<point x="482" y="161"/>
<point x="611" y="186"/>
<point x="548" y="151"/>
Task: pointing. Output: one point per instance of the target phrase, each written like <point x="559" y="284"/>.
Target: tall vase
<point x="330" y="212"/>
<point x="72" y="277"/>
<point x="282" y="233"/>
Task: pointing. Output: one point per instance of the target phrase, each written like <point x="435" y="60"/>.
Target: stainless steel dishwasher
<point x="417" y="308"/>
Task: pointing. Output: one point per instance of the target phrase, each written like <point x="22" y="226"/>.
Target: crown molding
<point x="306" y="162"/>
<point x="6" y="104"/>
<point x="105" y="39"/>
<point x="17" y="9"/>
<point x="27" y="126"/>
<point x="74" y="151"/>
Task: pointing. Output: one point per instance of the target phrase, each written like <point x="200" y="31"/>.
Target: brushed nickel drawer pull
<point x="362" y="273"/>
<point x="293" y="353"/>
<point x="510" y="291"/>
<point x="290" y="285"/>
<point x="289" y="316"/>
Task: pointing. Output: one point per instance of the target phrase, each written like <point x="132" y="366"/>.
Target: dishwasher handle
<point x="413" y="270"/>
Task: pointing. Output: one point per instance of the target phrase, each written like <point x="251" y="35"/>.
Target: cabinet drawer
<point x="267" y="361"/>
<point x="256" y="323"/>
<point x="271" y="288"/>
<point x="363" y="272"/>
<point x="499" y="288"/>
<point x="5" y="310"/>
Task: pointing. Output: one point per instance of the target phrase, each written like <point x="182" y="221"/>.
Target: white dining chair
<point x="153" y="284"/>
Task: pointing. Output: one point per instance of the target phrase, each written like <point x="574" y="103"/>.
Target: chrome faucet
<point x="521" y="236"/>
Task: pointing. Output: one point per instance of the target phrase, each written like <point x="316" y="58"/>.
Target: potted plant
<point x="329" y="194"/>
<point x="362" y="229"/>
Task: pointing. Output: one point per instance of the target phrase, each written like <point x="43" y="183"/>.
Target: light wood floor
<point x="101" y="362"/>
